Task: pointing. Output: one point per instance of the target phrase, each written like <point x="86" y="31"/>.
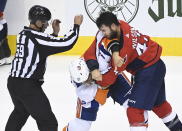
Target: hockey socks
<point x="173" y="125"/>
<point x="138" y="119"/>
<point x="169" y="117"/>
<point x="142" y="128"/>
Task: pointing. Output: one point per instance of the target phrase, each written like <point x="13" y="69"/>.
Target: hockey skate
<point x="2" y="61"/>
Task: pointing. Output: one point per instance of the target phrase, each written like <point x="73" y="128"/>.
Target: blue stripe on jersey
<point x="101" y="47"/>
<point x="90" y="114"/>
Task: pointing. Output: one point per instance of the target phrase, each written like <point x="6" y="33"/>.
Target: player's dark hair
<point x="106" y="18"/>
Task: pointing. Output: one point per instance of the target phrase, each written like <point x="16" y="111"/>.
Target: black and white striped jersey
<point x="34" y="47"/>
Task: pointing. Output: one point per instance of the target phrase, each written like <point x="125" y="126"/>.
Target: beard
<point x="113" y="34"/>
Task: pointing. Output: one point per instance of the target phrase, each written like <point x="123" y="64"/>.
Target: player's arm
<point x="114" y="48"/>
<point x="104" y="80"/>
<point x="91" y="61"/>
<point x="90" y="57"/>
<point x="110" y="76"/>
<point x="120" y="55"/>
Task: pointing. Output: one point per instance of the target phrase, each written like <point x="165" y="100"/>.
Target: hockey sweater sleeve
<point x="108" y="78"/>
<point x="92" y="63"/>
<point x="90" y="57"/>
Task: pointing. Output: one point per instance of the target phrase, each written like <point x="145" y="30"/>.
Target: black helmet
<point x="38" y="12"/>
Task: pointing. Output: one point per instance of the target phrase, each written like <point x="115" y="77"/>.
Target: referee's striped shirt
<point x="33" y="47"/>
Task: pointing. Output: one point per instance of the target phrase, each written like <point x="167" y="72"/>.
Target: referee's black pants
<point x="29" y="99"/>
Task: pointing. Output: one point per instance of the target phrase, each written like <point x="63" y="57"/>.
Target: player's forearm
<point x="108" y="78"/>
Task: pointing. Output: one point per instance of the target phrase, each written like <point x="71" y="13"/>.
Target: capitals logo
<point x="124" y="9"/>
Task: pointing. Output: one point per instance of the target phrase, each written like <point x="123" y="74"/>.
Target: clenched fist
<point x="78" y="19"/>
<point x="96" y="75"/>
<point x="56" y="26"/>
<point x="118" y="61"/>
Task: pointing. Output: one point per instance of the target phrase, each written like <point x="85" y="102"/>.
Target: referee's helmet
<point x="38" y="12"/>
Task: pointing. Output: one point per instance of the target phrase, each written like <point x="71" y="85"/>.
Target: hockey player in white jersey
<point x="91" y="95"/>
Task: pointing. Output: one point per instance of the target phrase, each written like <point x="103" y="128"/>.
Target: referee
<point x="28" y="68"/>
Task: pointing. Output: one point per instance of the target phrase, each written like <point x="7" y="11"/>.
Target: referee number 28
<point x="20" y="51"/>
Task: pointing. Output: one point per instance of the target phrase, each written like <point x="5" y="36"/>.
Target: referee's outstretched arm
<point x="48" y="44"/>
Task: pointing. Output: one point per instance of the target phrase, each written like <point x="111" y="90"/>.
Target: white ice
<point x="61" y="93"/>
